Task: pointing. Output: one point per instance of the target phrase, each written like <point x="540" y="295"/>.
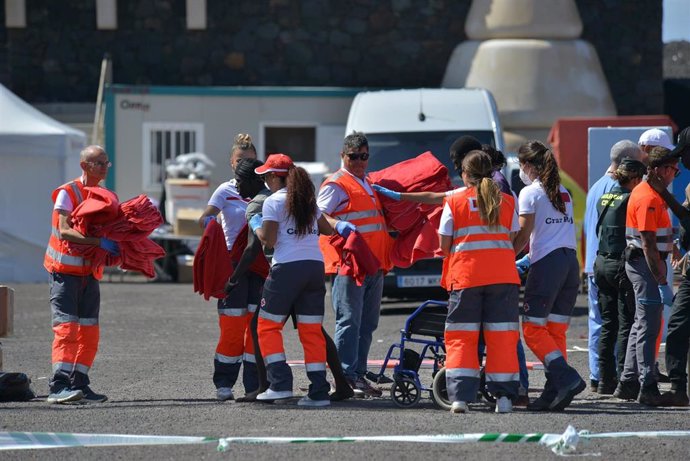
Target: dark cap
<point x="683" y="143"/>
<point x="632" y="165"/>
<point x="245" y="168"/>
<point x="464" y="144"/>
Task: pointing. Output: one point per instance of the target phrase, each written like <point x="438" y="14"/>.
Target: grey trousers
<point x="640" y="356"/>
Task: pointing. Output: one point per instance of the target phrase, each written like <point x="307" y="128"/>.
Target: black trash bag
<point x="15" y="387"/>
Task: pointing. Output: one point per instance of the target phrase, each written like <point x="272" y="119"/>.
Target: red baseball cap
<point x="276" y="163"/>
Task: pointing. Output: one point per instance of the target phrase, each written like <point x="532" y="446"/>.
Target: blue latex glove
<point x="391" y="194"/>
<point x="256" y="222"/>
<point x="208" y="219"/>
<point x="344" y="228"/>
<point x="522" y="264"/>
<point x="666" y="293"/>
<point x="110" y="246"/>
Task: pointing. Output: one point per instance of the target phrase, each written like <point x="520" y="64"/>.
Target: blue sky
<point x="676" y="23"/>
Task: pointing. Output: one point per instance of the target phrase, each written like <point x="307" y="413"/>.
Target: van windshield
<point x="386" y="149"/>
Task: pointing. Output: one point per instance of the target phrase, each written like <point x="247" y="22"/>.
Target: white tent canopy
<point x="37" y="154"/>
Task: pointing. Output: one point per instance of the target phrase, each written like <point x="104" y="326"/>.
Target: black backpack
<point x="14" y="387"/>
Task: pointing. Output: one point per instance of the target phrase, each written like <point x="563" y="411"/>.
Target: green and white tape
<point x="37" y="440"/>
<point x="561" y="444"/>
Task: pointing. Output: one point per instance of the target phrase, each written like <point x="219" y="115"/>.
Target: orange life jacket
<point x="364" y="213"/>
<point x="480" y="254"/>
<point x="58" y="256"/>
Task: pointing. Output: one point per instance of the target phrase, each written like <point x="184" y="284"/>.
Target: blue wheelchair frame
<point x="407" y="387"/>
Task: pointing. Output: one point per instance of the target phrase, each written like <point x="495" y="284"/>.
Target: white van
<point x="401" y="124"/>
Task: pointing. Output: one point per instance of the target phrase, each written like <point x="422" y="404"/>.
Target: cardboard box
<point x="185" y="271"/>
<point x="187" y="221"/>
<point x="185" y="193"/>
<point x="6" y="310"/>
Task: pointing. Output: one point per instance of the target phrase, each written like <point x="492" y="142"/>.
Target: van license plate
<point x="411" y="281"/>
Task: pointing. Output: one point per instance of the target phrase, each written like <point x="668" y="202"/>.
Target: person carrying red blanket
<point x="234" y="349"/>
<point x="74" y="286"/>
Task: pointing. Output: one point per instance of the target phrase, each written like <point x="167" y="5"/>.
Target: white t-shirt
<point x="232" y="210"/>
<point x="552" y="229"/>
<point x="446" y="225"/>
<point x="288" y="246"/>
<point x="333" y="198"/>
<point x="63" y="202"/>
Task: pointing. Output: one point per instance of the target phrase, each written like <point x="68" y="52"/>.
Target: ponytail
<point x="551" y="180"/>
<point x="489" y="201"/>
<point x="478" y="167"/>
<point x="301" y="200"/>
<point x="541" y="158"/>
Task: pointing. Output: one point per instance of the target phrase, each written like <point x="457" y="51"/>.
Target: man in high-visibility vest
<point x="348" y="197"/>
<point x="74" y="286"/>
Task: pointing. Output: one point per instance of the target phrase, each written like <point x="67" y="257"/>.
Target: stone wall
<point x="357" y="43"/>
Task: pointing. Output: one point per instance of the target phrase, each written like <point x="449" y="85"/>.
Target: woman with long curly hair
<point x="546" y="220"/>
<point x="290" y="224"/>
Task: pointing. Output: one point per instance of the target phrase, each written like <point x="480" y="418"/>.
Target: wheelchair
<point x="425" y="327"/>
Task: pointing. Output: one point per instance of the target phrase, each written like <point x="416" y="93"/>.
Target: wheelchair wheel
<point x="439" y="393"/>
<point x="405" y="392"/>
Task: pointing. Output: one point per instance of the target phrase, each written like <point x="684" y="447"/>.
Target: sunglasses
<point x="100" y="164"/>
<point x="676" y="170"/>
<point x="364" y="156"/>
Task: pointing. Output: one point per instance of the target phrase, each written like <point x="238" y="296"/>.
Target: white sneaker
<point x="224" y="393"/>
<point x="459" y="407"/>
<point x="306" y="401"/>
<point x="504" y="405"/>
<point x="270" y="394"/>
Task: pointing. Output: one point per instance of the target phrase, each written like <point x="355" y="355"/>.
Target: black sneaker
<point x="650" y="396"/>
<point x="627" y="390"/>
<point x="674" y="398"/>
<point x="607" y="387"/>
<point x="566" y="395"/>
<point x="541" y="403"/>
<point x="364" y="386"/>
<point x="91" y="396"/>
<point x="65" y="395"/>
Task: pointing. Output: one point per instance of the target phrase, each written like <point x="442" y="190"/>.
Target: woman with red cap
<point x="291" y="224"/>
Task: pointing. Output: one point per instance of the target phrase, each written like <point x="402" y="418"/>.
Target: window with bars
<point x="163" y="142"/>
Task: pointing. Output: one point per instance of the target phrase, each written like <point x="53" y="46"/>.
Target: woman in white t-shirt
<point x="291" y="224"/>
<point x="228" y="206"/>
<point x="546" y="220"/>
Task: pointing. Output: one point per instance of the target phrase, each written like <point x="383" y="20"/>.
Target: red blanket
<point x="417" y="224"/>
<point x="129" y="224"/>
<point x="357" y="259"/>
<point x="213" y="263"/>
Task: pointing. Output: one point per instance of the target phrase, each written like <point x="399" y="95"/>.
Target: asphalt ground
<point x="155" y="364"/>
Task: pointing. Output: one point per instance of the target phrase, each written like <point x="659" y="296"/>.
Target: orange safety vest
<point x="364" y="213"/>
<point x="59" y="258"/>
<point x="480" y="254"/>
<point x="647" y="211"/>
